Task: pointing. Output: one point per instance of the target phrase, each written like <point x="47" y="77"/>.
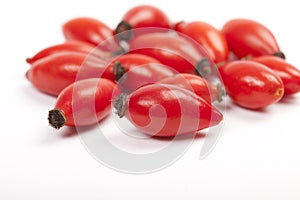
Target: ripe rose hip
<point x="251" y="85"/>
<point x="183" y="111"/>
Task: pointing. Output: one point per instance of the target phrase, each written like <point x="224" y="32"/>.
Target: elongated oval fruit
<point x="141" y="17"/>
<point x="196" y="84"/>
<point x="82" y="103"/>
<point x="69" y="46"/>
<point x="89" y="30"/>
<point x="53" y="73"/>
<point x="132" y="71"/>
<point x="171" y="50"/>
<point x="246" y="37"/>
<point x="166" y="111"/>
<point x="251" y="85"/>
<point x="289" y="74"/>
<point x="210" y="38"/>
<point x="141" y="75"/>
<point x="126" y="62"/>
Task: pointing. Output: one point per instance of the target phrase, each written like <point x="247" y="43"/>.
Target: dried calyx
<point x="56" y="118"/>
<point x="118" y="70"/>
<point x="203" y="67"/>
<point x="220" y="92"/>
<point x="279" y="54"/>
<point x="120" y="105"/>
<point x="124" y="31"/>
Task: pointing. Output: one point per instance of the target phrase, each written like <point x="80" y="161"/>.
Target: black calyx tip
<point x="220" y="92"/>
<point x="124" y="31"/>
<point x="279" y="54"/>
<point x="118" y="70"/>
<point x="56" y="118"/>
<point x="203" y="67"/>
<point x="120" y="105"/>
<point x="118" y="52"/>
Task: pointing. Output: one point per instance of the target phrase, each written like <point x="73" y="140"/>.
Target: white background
<point x="257" y="156"/>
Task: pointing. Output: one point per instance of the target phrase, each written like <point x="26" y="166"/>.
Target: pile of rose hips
<point x="147" y="64"/>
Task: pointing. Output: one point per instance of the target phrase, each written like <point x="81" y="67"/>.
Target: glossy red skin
<point x="210" y="38"/>
<point x="249" y="38"/>
<point x="88" y="30"/>
<point x="194" y="83"/>
<point x="53" y="73"/>
<point x="69" y="46"/>
<point x="288" y="73"/>
<point x="86" y="102"/>
<point x="171" y="50"/>
<point x="138" y="76"/>
<point x="129" y="61"/>
<point x="251" y="85"/>
<point x="146" y="16"/>
<point x="122" y="64"/>
<point x="182" y="108"/>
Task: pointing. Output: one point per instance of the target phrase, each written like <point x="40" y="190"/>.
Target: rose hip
<point x="246" y="37"/>
<point x="172" y="50"/>
<point x="126" y="62"/>
<point x="141" y="17"/>
<point x="70" y="46"/>
<point x="90" y="30"/>
<point x="288" y="73"/>
<point x="53" y="73"/>
<point x="82" y="103"/>
<point x="251" y="85"/>
<point x="196" y="84"/>
<point x="166" y="111"/>
<point x="207" y="36"/>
